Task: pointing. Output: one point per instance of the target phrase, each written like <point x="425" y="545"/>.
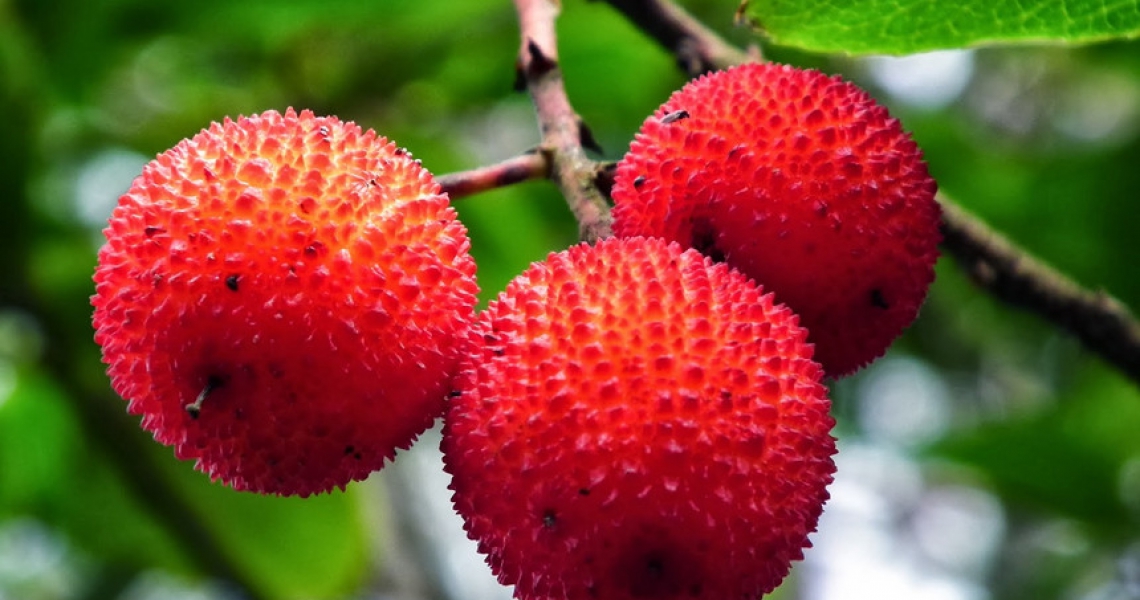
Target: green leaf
<point x="906" y="26"/>
<point x="310" y="548"/>
<point x="509" y="230"/>
<point x="38" y="438"/>
<point x="48" y="471"/>
<point x="1067" y="460"/>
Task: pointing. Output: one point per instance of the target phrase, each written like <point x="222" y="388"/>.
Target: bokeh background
<point x="987" y="456"/>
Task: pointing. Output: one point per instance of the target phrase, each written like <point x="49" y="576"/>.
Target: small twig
<point x="562" y="130"/>
<point x="1102" y="323"/>
<point x="1014" y="276"/>
<point x="524" y="167"/>
<point x="698" y="49"/>
<point x="519" y="169"/>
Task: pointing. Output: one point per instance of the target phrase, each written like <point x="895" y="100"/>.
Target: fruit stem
<point x="517" y="169"/>
<point x="195" y="408"/>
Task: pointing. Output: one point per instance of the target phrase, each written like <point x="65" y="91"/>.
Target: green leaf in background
<point x="509" y="229"/>
<point x="907" y="26"/>
<point x="309" y="548"/>
<point x="1070" y="459"/>
<point x="48" y="471"/>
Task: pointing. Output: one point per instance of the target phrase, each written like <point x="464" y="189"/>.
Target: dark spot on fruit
<point x="638" y="182"/>
<point x="583" y="492"/>
<point x="655" y="576"/>
<point x="653" y="563"/>
<point x="232" y="282"/>
<point x="549" y="519"/>
<point x="654" y="566"/>
<point x="150" y="231"/>
<point x="498" y="352"/>
<point x="674" y="116"/>
<point x="454" y="394"/>
<point x="592" y="590"/>
<point x="276" y="371"/>
<point x="877" y="299"/>
<point x="314" y="249"/>
<point x="704" y="240"/>
<point x="349" y="449"/>
<point x="490" y="339"/>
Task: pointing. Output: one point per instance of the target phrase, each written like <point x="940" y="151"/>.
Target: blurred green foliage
<point x="91" y="90"/>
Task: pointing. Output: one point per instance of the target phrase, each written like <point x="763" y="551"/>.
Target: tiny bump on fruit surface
<point x="803" y="182"/>
<point x="636" y="421"/>
<point x="283" y="299"/>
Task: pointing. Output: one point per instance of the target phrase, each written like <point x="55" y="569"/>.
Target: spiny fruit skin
<point x="306" y="279"/>
<point x="802" y="182"/>
<point x="638" y="422"/>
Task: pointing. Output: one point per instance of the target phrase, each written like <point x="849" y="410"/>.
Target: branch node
<point x="604" y="179"/>
<point x="690" y="60"/>
<point x="539" y="63"/>
<point x="586" y="137"/>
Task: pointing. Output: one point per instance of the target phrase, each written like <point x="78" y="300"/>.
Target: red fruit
<point x="283" y="299"/>
<point x="637" y="422"/>
<point x="802" y="182"/>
